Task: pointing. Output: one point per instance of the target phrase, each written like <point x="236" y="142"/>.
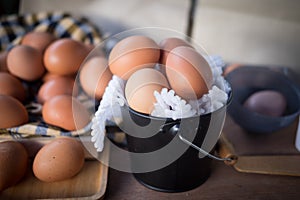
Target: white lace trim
<point x="113" y="95"/>
<point x="170" y="105"/>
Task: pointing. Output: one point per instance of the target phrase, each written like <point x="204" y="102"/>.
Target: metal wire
<point x="203" y="151"/>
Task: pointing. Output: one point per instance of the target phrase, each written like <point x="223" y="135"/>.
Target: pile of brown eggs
<point x="56" y="62"/>
<point x="52" y="64"/>
<point x="148" y="67"/>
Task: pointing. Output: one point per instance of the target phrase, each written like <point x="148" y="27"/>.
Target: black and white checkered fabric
<point x="61" y="25"/>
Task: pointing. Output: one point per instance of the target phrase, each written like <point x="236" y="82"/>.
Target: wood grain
<point x="225" y="182"/>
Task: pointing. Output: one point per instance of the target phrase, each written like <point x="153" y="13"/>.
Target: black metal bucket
<point x="190" y="168"/>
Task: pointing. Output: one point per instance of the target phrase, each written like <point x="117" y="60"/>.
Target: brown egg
<point x="57" y="86"/>
<point x="65" y="112"/>
<point x="11" y="86"/>
<point x="13" y="163"/>
<point x="26" y="63"/>
<point x="3" y="63"/>
<point x="131" y="54"/>
<point x="140" y="87"/>
<point x="13" y="113"/>
<point x="38" y="40"/>
<point x="64" y="56"/>
<point x="188" y="73"/>
<point x="267" y="102"/>
<point x="168" y="44"/>
<point x="95" y="76"/>
<point x="59" y="160"/>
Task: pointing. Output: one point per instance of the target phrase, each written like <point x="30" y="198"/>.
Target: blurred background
<point x="258" y="32"/>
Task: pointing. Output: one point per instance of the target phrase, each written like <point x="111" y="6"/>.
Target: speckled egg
<point x="58" y="160"/>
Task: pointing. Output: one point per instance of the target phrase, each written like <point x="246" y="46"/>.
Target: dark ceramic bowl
<point x="249" y="79"/>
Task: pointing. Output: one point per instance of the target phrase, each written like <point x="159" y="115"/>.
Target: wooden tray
<point x="90" y="183"/>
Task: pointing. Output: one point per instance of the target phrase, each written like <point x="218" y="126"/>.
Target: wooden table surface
<point x="224" y="183"/>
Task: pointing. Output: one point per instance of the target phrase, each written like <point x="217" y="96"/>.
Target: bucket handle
<point x="202" y="151"/>
<point x="175" y="129"/>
